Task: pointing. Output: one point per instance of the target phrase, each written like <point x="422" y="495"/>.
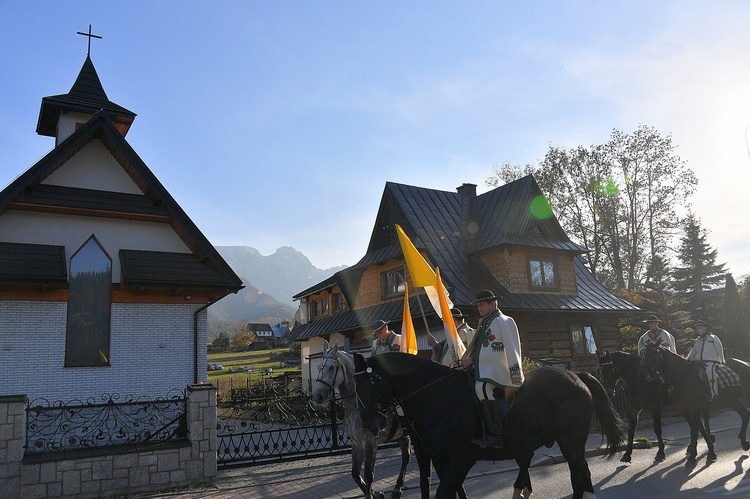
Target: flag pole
<point x="424" y="318"/>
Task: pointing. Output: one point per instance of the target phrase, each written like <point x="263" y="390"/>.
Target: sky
<point x="278" y="123"/>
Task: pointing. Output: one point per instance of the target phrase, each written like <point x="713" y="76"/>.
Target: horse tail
<point x="611" y="423"/>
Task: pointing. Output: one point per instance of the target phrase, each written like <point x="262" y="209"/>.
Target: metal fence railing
<point x="104" y="422"/>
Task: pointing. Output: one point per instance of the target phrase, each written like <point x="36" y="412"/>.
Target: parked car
<point x="215" y="366"/>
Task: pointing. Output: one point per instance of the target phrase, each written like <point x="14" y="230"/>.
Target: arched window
<point x="89" y="299"/>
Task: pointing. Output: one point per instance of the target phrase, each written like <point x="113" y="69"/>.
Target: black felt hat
<point x="457" y="314"/>
<point x="378" y="326"/>
<point x="485" y="295"/>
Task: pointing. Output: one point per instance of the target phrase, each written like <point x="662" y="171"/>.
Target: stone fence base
<point x="105" y="471"/>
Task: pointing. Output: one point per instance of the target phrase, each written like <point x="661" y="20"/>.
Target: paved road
<point x="329" y="477"/>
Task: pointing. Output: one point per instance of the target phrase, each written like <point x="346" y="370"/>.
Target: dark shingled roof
<point x="38" y="263"/>
<point x="86" y="96"/>
<point x="453" y="228"/>
<point x="364" y="317"/>
<point x="165" y="269"/>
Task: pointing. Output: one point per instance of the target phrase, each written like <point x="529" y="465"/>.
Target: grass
<point x="260" y="361"/>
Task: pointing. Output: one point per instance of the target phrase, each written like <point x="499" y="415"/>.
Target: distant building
<point x="506" y="240"/>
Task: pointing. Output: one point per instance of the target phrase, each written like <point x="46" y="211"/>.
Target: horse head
<point x="607" y="371"/>
<point x="330" y="374"/>
<point x="652" y="360"/>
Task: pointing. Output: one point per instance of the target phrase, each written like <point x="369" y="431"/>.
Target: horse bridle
<point x="360" y="403"/>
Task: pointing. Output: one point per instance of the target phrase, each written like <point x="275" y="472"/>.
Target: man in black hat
<point x="441" y="349"/>
<point x="495" y="355"/>
<point x="385" y="339"/>
<point x="709" y="350"/>
<point x="655" y="336"/>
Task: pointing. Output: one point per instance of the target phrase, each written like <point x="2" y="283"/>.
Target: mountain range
<point x="270" y="282"/>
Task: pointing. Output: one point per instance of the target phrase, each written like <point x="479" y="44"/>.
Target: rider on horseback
<point x="495" y="354"/>
<point x="709" y="350"/>
<point x="655" y="336"/>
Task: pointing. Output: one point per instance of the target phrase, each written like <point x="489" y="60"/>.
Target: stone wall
<point x="102" y="471"/>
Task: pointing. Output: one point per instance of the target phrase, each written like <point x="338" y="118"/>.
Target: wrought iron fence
<point x="107" y="421"/>
<point x="276" y="421"/>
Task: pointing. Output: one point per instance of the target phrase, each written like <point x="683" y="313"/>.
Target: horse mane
<point x="627" y="363"/>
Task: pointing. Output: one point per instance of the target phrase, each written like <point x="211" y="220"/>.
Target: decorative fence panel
<point x="76" y="425"/>
<point x="275" y="421"/>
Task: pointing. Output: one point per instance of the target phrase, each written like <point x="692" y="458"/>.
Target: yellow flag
<point x="408" y="336"/>
<point x="455" y="345"/>
<point x="421" y="273"/>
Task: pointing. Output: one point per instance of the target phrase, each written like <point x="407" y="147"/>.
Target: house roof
<point x="87" y="96"/>
<point x="27" y="192"/>
<point x="453" y="229"/>
<point x="352" y="319"/>
<point x="40" y="263"/>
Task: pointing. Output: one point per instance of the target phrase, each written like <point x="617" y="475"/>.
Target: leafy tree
<point x="617" y="199"/>
<point x="736" y="339"/>
<point x="221" y="342"/>
<point x="698" y="273"/>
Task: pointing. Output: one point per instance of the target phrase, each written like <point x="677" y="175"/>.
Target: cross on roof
<point x="88" y="53"/>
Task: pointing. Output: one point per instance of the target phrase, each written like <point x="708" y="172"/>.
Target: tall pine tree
<point x="736" y="340"/>
<point x="698" y="276"/>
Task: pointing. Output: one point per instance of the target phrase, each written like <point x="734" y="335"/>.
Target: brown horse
<point x="553" y="405"/>
<point x="619" y="370"/>
<point x="689" y="391"/>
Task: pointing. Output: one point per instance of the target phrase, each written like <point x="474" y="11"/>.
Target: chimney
<point x="467" y="190"/>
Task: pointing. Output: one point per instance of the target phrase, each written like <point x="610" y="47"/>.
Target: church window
<point x="89" y="300"/>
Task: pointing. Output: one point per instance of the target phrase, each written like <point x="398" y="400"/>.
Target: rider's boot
<point x="493" y="425"/>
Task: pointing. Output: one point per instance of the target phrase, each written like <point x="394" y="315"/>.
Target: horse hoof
<point x="711" y="457"/>
<point x="690" y="462"/>
<point x="660" y="456"/>
<point x="625" y="458"/>
<point x="745" y="445"/>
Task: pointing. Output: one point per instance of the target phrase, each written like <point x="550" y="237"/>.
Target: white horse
<point x="364" y="423"/>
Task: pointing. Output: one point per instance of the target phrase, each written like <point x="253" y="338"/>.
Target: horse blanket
<point x="725" y="376"/>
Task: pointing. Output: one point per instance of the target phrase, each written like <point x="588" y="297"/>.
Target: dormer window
<point x="393" y="283"/>
<point x="543" y="273"/>
<point x="338" y="302"/>
<point x="321" y="307"/>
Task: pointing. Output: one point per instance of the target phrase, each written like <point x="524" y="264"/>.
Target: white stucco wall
<point x="73" y="231"/>
<point x="93" y="167"/>
<point x="151" y="351"/>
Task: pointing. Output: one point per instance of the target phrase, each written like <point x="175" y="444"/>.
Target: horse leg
<point x="425" y="469"/>
<point x="574" y="451"/>
<point x="656" y="413"/>
<point x="357" y="459"/>
<point x="706" y="412"/>
<point x="371" y="451"/>
<point x="522" y="485"/>
<point x="632" y="424"/>
<point x="403" y="442"/>
<point x="452" y="478"/>
<point x="740" y="409"/>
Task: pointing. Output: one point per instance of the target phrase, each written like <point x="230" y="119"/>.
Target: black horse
<point x="621" y="369"/>
<point x="689" y="383"/>
<point x="553" y="405"/>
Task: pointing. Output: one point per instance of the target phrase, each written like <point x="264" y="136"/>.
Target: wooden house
<point x="104" y="280"/>
<point x="506" y="240"/>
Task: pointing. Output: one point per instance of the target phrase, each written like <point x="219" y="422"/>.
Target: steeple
<point x="60" y="115"/>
